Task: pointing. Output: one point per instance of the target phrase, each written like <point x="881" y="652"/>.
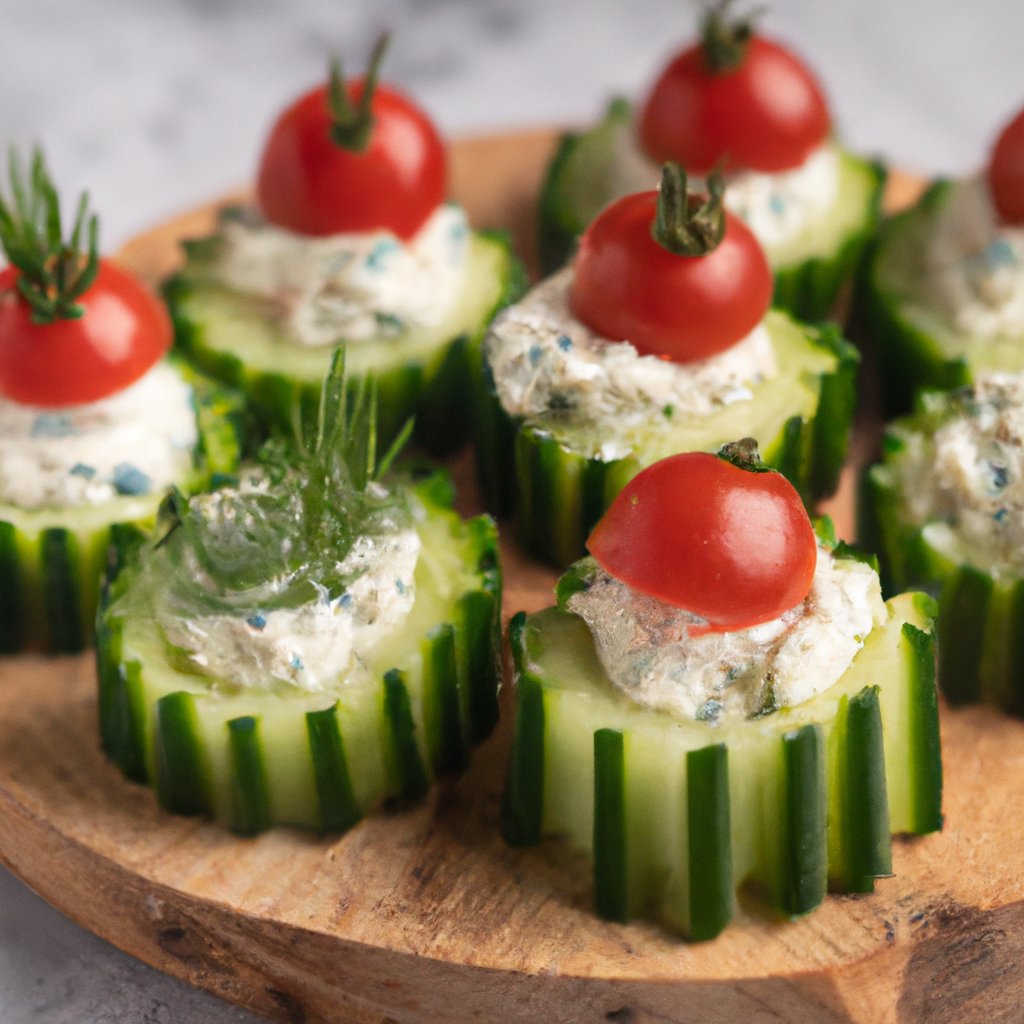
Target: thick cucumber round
<point x="544" y="470"/>
<point x="425" y="374"/>
<point x="592" y="168"/>
<point x="52" y="560"/>
<point x="980" y="625"/>
<point x="252" y="760"/>
<point x="679" y="815"/>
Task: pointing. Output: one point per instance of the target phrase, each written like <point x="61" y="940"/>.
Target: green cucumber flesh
<point x="321" y="760"/>
<point x="426" y="373"/>
<point x="774" y="805"/>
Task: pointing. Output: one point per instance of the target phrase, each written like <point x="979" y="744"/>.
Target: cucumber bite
<point x="307" y="643"/>
<point x="721" y="702"/>
<point x="644" y="348"/>
<point x="945" y="510"/>
<point x="812" y="204"/>
<point x="350" y="243"/>
<point x="95" y="424"/>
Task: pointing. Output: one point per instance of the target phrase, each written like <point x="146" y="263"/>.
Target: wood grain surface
<point x="424" y="915"/>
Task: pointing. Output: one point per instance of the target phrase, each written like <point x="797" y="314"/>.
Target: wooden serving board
<point x="424" y="915"/>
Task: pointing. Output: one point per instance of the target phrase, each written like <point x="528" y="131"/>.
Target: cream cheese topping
<point x="313" y="646"/>
<point x="973" y="266"/>
<point x="649" y="654"/>
<point x="969" y="476"/>
<point x="543" y="360"/>
<point x="137" y="441"/>
<point x="349" y="287"/>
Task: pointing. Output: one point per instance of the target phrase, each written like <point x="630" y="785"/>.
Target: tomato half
<point x="123" y="332"/>
<point x="768" y="114"/>
<point x="309" y="184"/>
<point x="1006" y="172"/>
<point x="626" y="286"/>
<point x="729" y="544"/>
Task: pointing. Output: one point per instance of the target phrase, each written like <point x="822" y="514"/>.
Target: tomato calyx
<point x="53" y="273"/>
<point x="352" y="125"/>
<point x="725" y="40"/>
<point x="688" y="223"/>
<point x="744" y="454"/>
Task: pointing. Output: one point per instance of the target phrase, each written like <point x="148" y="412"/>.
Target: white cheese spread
<point x="313" y="646"/>
<point x="544" y="361"/>
<point x="648" y="652"/>
<point x="969" y="475"/>
<point x="973" y="267"/>
<point x="137" y="441"/>
<point x="348" y="287"/>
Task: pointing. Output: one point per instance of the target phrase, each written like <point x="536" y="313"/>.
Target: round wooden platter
<point x="424" y="915"/>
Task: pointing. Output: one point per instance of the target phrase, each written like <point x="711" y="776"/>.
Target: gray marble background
<point x="158" y="105"/>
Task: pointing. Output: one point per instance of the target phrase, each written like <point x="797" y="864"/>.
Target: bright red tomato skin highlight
<point x="627" y="287"/>
<point x="1006" y="172"/>
<point x="733" y="546"/>
<point x="766" y="115"/>
<point x="310" y="185"/>
<point x="123" y="332"/>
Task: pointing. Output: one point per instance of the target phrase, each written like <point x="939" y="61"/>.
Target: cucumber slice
<point x="52" y="560"/>
<point x="545" y="470"/>
<point x="593" y="167"/>
<point x="680" y="815"/>
<point x="321" y="760"/>
<point x="426" y="374"/>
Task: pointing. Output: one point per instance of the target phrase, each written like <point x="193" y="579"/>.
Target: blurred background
<point x="157" y="106"/>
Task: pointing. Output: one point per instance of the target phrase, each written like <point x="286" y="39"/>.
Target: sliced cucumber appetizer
<point x="303" y="681"/>
<point x="421" y="373"/>
<point x="920" y="345"/>
<point x="931" y="531"/>
<point x="680" y="814"/>
<point x="548" y="470"/>
<point x="53" y="559"/>
<point x="591" y="168"/>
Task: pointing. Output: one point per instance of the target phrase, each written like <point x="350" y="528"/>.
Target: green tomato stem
<point x="686" y="223"/>
<point x="352" y="127"/>
<point x="724" y="39"/>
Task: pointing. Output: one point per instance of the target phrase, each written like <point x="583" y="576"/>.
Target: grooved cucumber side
<point x="593" y="167"/>
<point x="426" y="374"/>
<point x="538" y="469"/>
<point x="52" y="560"/>
<point x="678" y="815"/>
<point x="321" y="760"/>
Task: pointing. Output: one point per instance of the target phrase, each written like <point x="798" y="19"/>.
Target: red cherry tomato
<point x="124" y="330"/>
<point x="1006" y="172"/>
<point x="309" y="184"/>
<point x="627" y="287"/>
<point x="766" y="115"/>
<point x="731" y="545"/>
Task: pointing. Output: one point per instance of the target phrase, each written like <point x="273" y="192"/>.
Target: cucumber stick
<point x="679" y="815"/>
<point x="52" y="560"/>
<point x="593" y="167"/>
<point x="426" y="374"/>
<point x="321" y="760"/>
<point x="544" y="469"/>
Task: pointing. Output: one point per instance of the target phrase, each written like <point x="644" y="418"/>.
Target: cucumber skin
<point x="51" y="579"/>
<point x="439" y="403"/>
<point x="910" y="360"/>
<point x="808" y="290"/>
<point x="834" y="827"/>
<point x="161" y="743"/>
<point x="557" y="495"/>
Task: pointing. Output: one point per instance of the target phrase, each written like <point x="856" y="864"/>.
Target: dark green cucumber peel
<point x="804" y="853"/>
<point x="250" y="805"/>
<point x="12" y="602"/>
<point x="339" y="810"/>
<point x="709" y="834"/>
<point x="442" y="702"/>
<point x="122" y="711"/>
<point x="965" y="600"/>
<point x="410" y="773"/>
<point x="924" y="760"/>
<point x="182" y="774"/>
<point x="60" y="560"/>
<point x="478" y="636"/>
<point x="611" y="880"/>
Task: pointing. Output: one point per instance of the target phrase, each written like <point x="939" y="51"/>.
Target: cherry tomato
<point x="1006" y="172"/>
<point x="731" y="545"/>
<point x="627" y="287"/>
<point x="124" y="330"/>
<point x="768" y="114"/>
<point x="309" y="184"/>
